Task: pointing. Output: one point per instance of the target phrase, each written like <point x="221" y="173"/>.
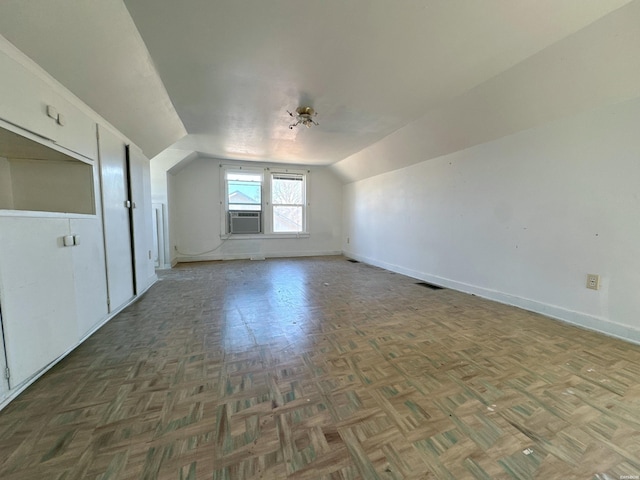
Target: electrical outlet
<point x="593" y="281"/>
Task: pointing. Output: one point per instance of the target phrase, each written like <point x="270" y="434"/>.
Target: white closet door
<point x="115" y="213"/>
<point x="38" y="294"/>
<point x="89" y="273"/>
<point x="142" y="218"/>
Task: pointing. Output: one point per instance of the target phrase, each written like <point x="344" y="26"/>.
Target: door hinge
<point x="7" y="373"/>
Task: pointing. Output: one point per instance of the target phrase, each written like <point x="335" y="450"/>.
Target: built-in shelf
<point x="35" y="177"/>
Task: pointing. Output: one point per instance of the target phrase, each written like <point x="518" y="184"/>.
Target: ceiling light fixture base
<point x="303" y="116"/>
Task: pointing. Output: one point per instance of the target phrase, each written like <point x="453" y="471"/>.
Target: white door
<point x="142" y="218"/>
<point x="89" y="273"/>
<point x="115" y="218"/>
<point x="37" y="292"/>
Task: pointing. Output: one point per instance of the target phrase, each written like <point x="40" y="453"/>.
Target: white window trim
<point x="267" y="208"/>
<point x="305" y="205"/>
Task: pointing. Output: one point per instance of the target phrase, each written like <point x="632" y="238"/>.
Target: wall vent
<point x="430" y="285"/>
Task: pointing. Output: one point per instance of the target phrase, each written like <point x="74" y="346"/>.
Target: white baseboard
<point x="579" y="319"/>
<point x="18" y="389"/>
<point x="248" y="256"/>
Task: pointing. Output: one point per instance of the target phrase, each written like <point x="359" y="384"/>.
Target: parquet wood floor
<point x="318" y="368"/>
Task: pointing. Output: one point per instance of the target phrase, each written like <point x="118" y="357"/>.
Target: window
<point x="288" y="202"/>
<point x="244" y="191"/>
<point x="263" y="201"/>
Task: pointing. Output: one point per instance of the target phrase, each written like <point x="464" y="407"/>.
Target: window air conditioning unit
<point x="244" y="222"/>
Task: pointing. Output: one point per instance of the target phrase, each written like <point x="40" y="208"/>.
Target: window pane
<point x="287" y="191"/>
<point x="287" y="219"/>
<point x="244" y="191"/>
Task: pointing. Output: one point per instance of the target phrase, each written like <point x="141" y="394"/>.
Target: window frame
<point x="224" y="202"/>
<point x="304" y="204"/>
<point x="267" y="211"/>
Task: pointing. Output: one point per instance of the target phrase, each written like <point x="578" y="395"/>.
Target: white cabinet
<point x="28" y="101"/>
<point x="24" y="98"/>
<point x="51" y="294"/>
<point x="89" y="274"/>
<point x="75" y="130"/>
<point x="66" y="238"/>
<point x="52" y="264"/>
<point x="34" y="177"/>
<point x="37" y="293"/>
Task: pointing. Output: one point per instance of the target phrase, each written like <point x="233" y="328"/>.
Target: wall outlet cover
<point x="593" y="281"/>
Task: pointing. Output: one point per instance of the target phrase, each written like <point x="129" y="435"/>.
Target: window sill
<point x="260" y="236"/>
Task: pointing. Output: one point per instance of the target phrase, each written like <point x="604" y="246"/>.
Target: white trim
<point x="249" y="256"/>
<point x="263" y="236"/>
<point x="43" y="214"/>
<point x="224" y="200"/>
<point x="304" y="175"/>
<point x="266" y="171"/>
<point x="44" y="141"/>
<point x="18" y="389"/>
<point x="579" y="319"/>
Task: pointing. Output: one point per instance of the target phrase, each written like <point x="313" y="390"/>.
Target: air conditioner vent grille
<point x="245" y="222"/>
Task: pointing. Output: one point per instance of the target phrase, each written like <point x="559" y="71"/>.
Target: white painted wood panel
<point x="90" y="277"/>
<point x="37" y="293"/>
<point x="24" y="98"/>
<point x="78" y="133"/>
<point x="158" y="235"/>
<point x="142" y="218"/>
<point x="115" y="215"/>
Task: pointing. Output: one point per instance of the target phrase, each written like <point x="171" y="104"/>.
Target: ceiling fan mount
<point x="303" y="116"/>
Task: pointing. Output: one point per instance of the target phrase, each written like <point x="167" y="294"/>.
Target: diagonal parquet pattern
<point x="318" y="368"/>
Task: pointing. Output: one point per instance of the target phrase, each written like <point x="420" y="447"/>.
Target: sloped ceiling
<point x="94" y="49"/>
<point x="232" y="69"/>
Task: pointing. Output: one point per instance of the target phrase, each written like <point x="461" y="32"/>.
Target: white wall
<point x="521" y="220"/>
<point x="6" y="189"/>
<point x="160" y="164"/>
<point x="172" y="225"/>
<point x="194" y="208"/>
<point x="596" y="66"/>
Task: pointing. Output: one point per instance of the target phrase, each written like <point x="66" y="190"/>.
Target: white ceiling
<point x="232" y="69"/>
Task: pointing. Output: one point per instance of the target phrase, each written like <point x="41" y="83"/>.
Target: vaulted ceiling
<point x="218" y="76"/>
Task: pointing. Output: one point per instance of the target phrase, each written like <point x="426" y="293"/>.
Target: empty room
<point x="359" y="240"/>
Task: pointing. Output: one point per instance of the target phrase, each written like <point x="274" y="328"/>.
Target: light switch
<point x="67" y="241"/>
<point x="62" y="120"/>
